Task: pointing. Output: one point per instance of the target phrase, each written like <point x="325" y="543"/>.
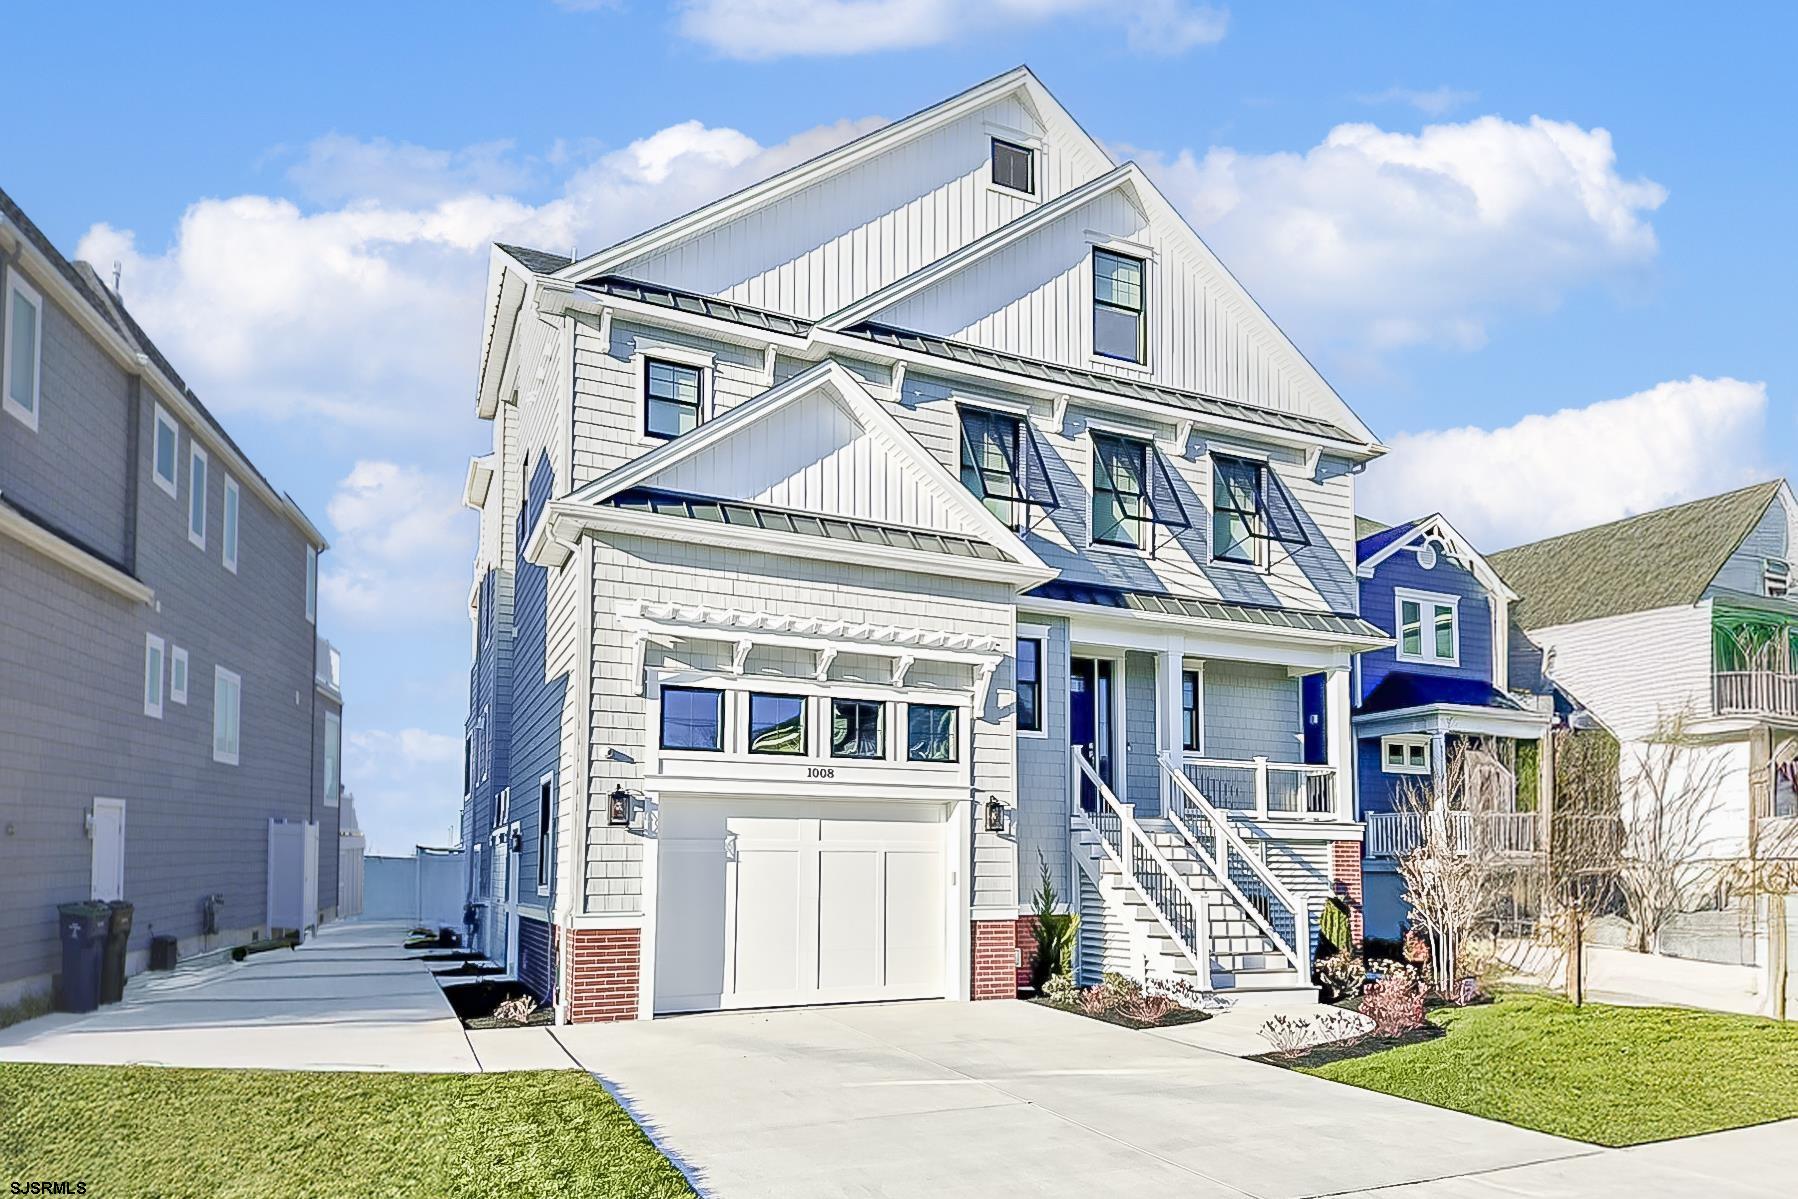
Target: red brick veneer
<point x="1026" y="949"/>
<point x="1345" y="880"/>
<point x="603" y="974"/>
<point x="995" y="973"/>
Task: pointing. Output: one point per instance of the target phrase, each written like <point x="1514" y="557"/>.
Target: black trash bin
<point x="83" y="930"/>
<point x="112" y="966"/>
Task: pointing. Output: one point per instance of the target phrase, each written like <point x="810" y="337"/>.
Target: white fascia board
<point x="1436" y="526"/>
<point x="17" y="527"/>
<point x="1223" y="638"/>
<point x="803" y="175"/>
<point x="550" y="546"/>
<point x="480" y="478"/>
<point x="1455" y="718"/>
<point x="134" y="362"/>
<point x="512" y="288"/>
<point x="556" y="298"/>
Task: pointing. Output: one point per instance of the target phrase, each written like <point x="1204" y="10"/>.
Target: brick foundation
<point x="603" y="974"/>
<point x="1026" y="927"/>
<point x="1345" y="881"/>
<point x="995" y="965"/>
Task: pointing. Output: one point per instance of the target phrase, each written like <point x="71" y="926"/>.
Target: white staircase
<point x="1154" y="904"/>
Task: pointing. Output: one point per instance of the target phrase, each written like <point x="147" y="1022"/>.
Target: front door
<point x="1090" y="721"/>
<point x="498" y="926"/>
<point x="1312" y="710"/>
<point x="109" y="849"/>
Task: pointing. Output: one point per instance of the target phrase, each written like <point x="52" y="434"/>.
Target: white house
<point x="854" y="547"/>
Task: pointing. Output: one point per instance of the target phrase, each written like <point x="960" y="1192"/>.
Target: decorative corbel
<point x="768" y="365"/>
<point x="899" y="383"/>
<point x="639" y="650"/>
<point x="741" y="655"/>
<point x="901" y="667"/>
<point x="826" y="656"/>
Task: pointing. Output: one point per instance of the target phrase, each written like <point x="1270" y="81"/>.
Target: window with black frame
<point x="1030" y="684"/>
<point x="1014" y="166"/>
<point x="1191" y="711"/>
<point x="777" y="724"/>
<point x="1121" y="513"/>
<point x="857" y="728"/>
<point x="1238" y="510"/>
<point x="545" y="818"/>
<point x="929" y="733"/>
<point x="1118" y="308"/>
<point x="671" y="398"/>
<point x="692" y="719"/>
<point x="992" y="445"/>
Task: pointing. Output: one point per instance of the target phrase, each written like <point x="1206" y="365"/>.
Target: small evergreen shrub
<point x="1334" y="929"/>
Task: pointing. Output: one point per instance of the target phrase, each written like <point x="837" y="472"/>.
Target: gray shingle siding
<point x="1251" y="710"/>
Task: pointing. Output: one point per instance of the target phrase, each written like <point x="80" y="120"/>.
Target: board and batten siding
<point x="656" y="571"/>
<point x="863" y="227"/>
<point x="1635" y="672"/>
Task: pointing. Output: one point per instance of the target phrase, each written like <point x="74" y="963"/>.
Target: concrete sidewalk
<point x="352" y="998"/>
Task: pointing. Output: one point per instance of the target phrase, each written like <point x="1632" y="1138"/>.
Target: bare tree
<point x="1673" y="786"/>
<point x="1572" y="876"/>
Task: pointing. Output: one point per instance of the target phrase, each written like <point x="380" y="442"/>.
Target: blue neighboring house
<point x="1444" y="691"/>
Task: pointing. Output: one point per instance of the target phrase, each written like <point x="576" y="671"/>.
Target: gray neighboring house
<point x="164" y="694"/>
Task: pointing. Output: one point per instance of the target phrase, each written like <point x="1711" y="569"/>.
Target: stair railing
<point x="1180" y="910"/>
<point x="1213" y="839"/>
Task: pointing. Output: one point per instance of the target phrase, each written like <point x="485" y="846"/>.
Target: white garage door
<point x="766" y="903"/>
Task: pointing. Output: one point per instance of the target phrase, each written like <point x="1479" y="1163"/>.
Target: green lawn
<point x="1609" y="1075"/>
<point x="139" y="1130"/>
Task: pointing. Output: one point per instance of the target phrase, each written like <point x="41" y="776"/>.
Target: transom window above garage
<point x="818" y="727"/>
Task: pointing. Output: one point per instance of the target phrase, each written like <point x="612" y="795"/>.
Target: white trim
<point x="36" y="537"/>
<point x="1435" y="527"/>
<point x="172" y="483"/>
<point x="230" y="754"/>
<point x="17" y="288"/>
<point x="178" y="680"/>
<point x="674" y="355"/>
<point x="198" y="468"/>
<point x="155" y="651"/>
<point x="1117" y="248"/>
<point x="1030" y="143"/>
<point x="230" y="518"/>
<point x="546" y="837"/>
<point x="1038" y="633"/>
<point x="312" y="585"/>
<point x="1429" y="603"/>
<point x="1405" y="743"/>
<point x="1196" y="666"/>
<point x="333" y="777"/>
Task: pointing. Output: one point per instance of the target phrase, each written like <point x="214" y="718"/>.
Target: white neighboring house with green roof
<point x="1684" y="614"/>
<point x="934" y="515"/>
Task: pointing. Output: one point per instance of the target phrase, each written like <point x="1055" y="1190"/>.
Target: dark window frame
<point x="1192" y="711"/>
<point x="954" y="733"/>
<point x="650" y="399"/>
<point x="546" y="790"/>
<point x="1140" y="313"/>
<point x="1029" y="156"/>
<point x="1254" y="520"/>
<point x="881" y="730"/>
<point x="804" y="731"/>
<point x="1105" y="483"/>
<point x="1034" y="683"/>
<point x="718" y="732"/>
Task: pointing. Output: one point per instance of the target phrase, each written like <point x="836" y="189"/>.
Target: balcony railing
<point x="1395" y="834"/>
<point x="1755" y="693"/>
<point x="1265" y="790"/>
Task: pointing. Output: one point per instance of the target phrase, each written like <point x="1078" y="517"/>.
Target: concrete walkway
<point x="350" y="999"/>
<point x="946" y="1099"/>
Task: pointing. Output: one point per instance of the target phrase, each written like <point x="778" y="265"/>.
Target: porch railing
<point x="1180" y="910"/>
<point x="1211" y="836"/>
<point x="1767" y="692"/>
<point x="1395" y="834"/>
<point x="1264" y="790"/>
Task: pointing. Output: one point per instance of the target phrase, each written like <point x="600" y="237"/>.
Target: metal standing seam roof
<point x="1068" y="376"/>
<point x="1660" y="559"/>
<point x="1164" y="604"/>
<point x="782" y="520"/>
<point x="695" y="304"/>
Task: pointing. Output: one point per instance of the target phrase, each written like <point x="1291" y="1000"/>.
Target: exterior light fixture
<point x="618" y="807"/>
<point x="517" y="841"/>
<point x="994" y="820"/>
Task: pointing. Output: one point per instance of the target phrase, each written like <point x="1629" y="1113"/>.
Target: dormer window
<point x="672" y="393"/>
<point x="1119" y="315"/>
<point x="1014" y="167"/>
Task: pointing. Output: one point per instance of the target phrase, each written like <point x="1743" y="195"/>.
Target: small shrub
<point x="1340" y="976"/>
<point x="1056" y="932"/>
<point x="1416" y="949"/>
<point x="1095" y="1001"/>
<point x="515" y="1011"/>
<point x="1466" y="991"/>
<point x="1121" y="987"/>
<point x="1060" y="990"/>
<point x="1289" y="1035"/>
<point x="1394" y="1003"/>
<point x="1293" y="1036"/>
<point x="1335" y="929"/>
<point x="1183" y="991"/>
<point x="1147" y="1008"/>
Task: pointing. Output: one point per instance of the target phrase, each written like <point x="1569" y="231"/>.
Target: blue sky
<point x="1543" y="250"/>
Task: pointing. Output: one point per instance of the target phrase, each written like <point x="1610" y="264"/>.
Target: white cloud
<point x="405" y="783"/>
<point x="1373" y="240"/>
<point x="1549" y="474"/>
<point x="402" y="545"/>
<point x="1435" y="101"/>
<point x="767" y="29"/>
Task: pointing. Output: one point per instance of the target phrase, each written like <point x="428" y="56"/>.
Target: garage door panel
<point x="768" y="931"/>
<point x="692" y="900"/>
<point x="848" y="919"/>
<point x="913" y="932"/>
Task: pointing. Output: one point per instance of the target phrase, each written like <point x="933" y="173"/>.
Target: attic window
<point x="1119" y="327"/>
<point x="1014" y="167"/>
<point x="671" y="398"/>
<point x="1776" y="578"/>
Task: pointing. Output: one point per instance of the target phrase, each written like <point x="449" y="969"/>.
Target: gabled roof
<point x="1660" y="559"/>
<point x="1434" y="528"/>
<point x="541" y="261"/>
<point x="1403" y="689"/>
<point x="1372" y="543"/>
<point x="1367" y="526"/>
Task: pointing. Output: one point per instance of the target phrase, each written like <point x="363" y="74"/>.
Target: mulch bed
<point x="470" y="968"/>
<point x="1178" y="1016"/>
<point x="1342" y="1051"/>
<point x="543" y="1015"/>
<point x="474" y="1003"/>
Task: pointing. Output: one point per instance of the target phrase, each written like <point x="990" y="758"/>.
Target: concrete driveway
<point x="1013" y="1099"/>
<point x="350" y="999"/>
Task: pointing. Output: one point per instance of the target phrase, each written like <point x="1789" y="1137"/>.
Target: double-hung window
<point x="196" y="496"/>
<point x="930" y="733"/>
<point x="154" y="661"/>
<point x="165" y="451"/>
<point x="1428" y="628"/>
<point x="228" y="534"/>
<point x="1030" y="684"/>
<point x="1119" y="314"/>
<point x="227" y="713"/>
<point x="1121" y="513"/>
<point x="1014" y="166"/>
<point x="1238" y="510"/>
<point x="671" y="398"/>
<point x="693" y="719"/>
<point x="857" y="728"/>
<point x="23" y="351"/>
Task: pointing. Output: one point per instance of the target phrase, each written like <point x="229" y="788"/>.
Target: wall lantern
<point x="618" y="808"/>
<point x="517" y="841"/>
<point x="994" y="815"/>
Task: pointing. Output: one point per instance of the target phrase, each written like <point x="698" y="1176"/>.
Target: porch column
<point x="1169" y="663"/>
<point x="1339" y="739"/>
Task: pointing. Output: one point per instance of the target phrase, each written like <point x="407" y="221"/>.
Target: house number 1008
<point x="820" y="772"/>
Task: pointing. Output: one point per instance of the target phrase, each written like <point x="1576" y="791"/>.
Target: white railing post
<point x="1261" y="786"/>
